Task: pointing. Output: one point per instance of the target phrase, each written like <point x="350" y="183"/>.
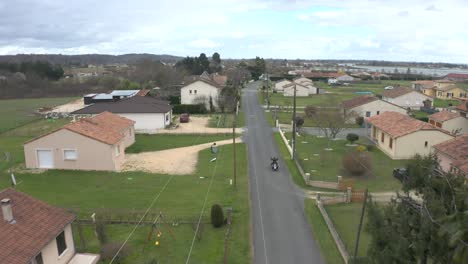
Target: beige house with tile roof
<point x="367" y="106"/>
<point x="401" y="137"/>
<point x="96" y="143"/>
<point x="453" y="155"/>
<point x="279" y="85"/>
<point x="405" y="97"/>
<point x="450" y="121"/>
<point x="301" y="90"/>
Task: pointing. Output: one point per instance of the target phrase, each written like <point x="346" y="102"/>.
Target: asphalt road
<point x="281" y="233"/>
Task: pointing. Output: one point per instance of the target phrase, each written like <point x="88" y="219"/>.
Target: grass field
<point x="345" y="218"/>
<point x="226" y="120"/>
<point x="146" y="142"/>
<point x="445" y="103"/>
<point x="17" y="112"/>
<point x="183" y="197"/>
<point x="321" y="234"/>
<point x="326" y="165"/>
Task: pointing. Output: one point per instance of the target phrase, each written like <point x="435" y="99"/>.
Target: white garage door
<point x="45" y="159"/>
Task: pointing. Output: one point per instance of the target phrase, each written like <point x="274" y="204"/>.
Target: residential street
<point x="281" y="233"/>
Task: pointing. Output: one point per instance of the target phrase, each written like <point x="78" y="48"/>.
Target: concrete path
<point x="281" y="233"/>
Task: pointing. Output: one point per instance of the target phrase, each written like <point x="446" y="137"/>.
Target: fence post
<point x="340" y="178"/>
<point x="348" y="194"/>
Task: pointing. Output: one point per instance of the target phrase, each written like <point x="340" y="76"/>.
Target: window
<point x="38" y="259"/>
<point x="378" y="112"/>
<point x="390" y="144"/>
<point x="167" y="118"/>
<point x="382" y="137"/>
<point x="190" y="91"/>
<point x="61" y="244"/>
<point x="195" y="91"/>
<point x="425" y="144"/>
<point x="117" y="150"/>
<point x="368" y="114"/>
<point x="70" y="154"/>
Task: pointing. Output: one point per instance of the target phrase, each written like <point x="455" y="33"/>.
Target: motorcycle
<point x="274" y="164"/>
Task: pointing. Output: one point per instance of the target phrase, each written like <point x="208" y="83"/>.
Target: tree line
<point x="42" y="69"/>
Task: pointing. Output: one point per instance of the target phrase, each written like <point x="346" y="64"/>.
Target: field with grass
<point x="156" y="142"/>
<point x="326" y="165"/>
<point x="183" y="197"/>
<point x="17" y="112"/>
<point x="345" y="218"/>
<point x="445" y="103"/>
<point x="226" y="120"/>
<point x="321" y="234"/>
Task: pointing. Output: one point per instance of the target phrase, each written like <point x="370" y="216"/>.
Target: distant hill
<point x="88" y="58"/>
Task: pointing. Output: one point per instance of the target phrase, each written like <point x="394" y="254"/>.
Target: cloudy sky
<point x="406" y="30"/>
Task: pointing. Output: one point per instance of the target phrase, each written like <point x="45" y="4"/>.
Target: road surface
<point x="281" y="233"/>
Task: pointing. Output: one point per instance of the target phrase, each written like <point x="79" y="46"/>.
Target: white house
<point x="367" y="106"/>
<point x="450" y="121"/>
<point x="301" y="90"/>
<point x="201" y="90"/>
<point x="405" y="97"/>
<point x="401" y="137"/>
<point x="303" y="80"/>
<point x="149" y="113"/>
<point x="279" y="85"/>
<point x="33" y="232"/>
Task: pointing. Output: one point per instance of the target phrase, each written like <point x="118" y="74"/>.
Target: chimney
<point x="7" y="212"/>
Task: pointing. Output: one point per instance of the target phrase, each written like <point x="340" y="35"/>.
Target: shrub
<point x="359" y="120"/>
<point x="101" y="231"/>
<point x="299" y="122"/>
<point x="357" y="163"/>
<point x="351" y="137"/>
<point x="109" y="250"/>
<point x="424" y="118"/>
<point x="361" y="148"/>
<point x="217" y="215"/>
<point x="191" y="109"/>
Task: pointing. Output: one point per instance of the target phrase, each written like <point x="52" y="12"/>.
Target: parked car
<point x="400" y="173"/>
<point x="184" y="118"/>
<point x="388" y="88"/>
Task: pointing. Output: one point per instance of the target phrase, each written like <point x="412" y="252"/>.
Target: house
<point x="462" y="108"/>
<point x="405" y="97"/>
<point x="453" y="155"/>
<point x="112" y="96"/>
<point x="307" y="83"/>
<point x="401" y="137"/>
<point x="458" y="77"/>
<point x="201" y="90"/>
<point x="33" y="232"/>
<point x="450" y="121"/>
<point x="450" y="92"/>
<point x="148" y="112"/>
<point x="344" y="78"/>
<point x="431" y="90"/>
<point x="279" y="85"/>
<point x="96" y="143"/>
<point x="301" y="90"/>
<point x="423" y="84"/>
<point x="367" y="106"/>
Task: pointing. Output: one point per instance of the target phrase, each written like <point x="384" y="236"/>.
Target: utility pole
<point x="293" y="141"/>
<point x="234" y="123"/>
<point x="360" y="224"/>
<point x="267" y="88"/>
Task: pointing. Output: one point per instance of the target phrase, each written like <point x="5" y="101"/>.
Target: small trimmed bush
<point x="217" y="216"/>
<point x="356" y="163"/>
<point x="361" y="148"/>
<point x="359" y="121"/>
<point x="351" y="137"/>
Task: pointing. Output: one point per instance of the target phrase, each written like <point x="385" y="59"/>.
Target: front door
<point x="45" y="159"/>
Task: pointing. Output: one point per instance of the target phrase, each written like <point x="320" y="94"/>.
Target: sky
<point x="397" y="30"/>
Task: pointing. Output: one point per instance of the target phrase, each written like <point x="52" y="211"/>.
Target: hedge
<point x="191" y="109"/>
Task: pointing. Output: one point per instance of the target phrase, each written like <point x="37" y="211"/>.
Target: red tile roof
<point x="457" y="75"/>
<point x="322" y="74"/>
<point x="457" y="150"/>
<point x="104" y="127"/>
<point x="357" y="101"/>
<point x="424" y="82"/>
<point x="397" y="92"/>
<point x="398" y="125"/>
<point x="443" y="116"/>
<point x="37" y="223"/>
<point x="143" y="92"/>
<point x="462" y="106"/>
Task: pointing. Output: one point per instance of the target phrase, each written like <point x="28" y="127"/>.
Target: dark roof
<point x="397" y="92"/>
<point x="357" y="101"/>
<point x="136" y="104"/>
<point x="37" y="223"/>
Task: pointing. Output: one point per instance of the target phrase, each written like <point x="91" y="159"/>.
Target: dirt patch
<point x="69" y="107"/>
<point x="179" y="161"/>
<point x="197" y="125"/>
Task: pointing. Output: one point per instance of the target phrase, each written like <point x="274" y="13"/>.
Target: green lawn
<point x="345" y="218"/>
<point x="321" y="234"/>
<point x="319" y="99"/>
<point x="226" y="120"/>
<point x="17" y="112"/>
<point x="146" y="142"/>
<point x="183" y="198"/>
<point x="445" y="103"/>
<point x="419" y="114"/>
<point x="325" y="165"/>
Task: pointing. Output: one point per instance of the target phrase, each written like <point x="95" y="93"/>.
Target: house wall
<point x="372" y="107"/>
<point x="92" y="154"/>
<point x="413" y="100"/>
<point x="429" y="92"/>
<point x="303" y="81"/>
<point x="202" y="90"/>
<point x="384" y="146"/>
<point x="312" y="89"/>
<point x="279" y="85"/>
<point x="445" y="162"/>
<point x="456" y="123"/>
<point x="50" y="252"/>
<point x="149" y="121"/>
<point x="452" y="93"/>
<point x="301" y="91"/>
<point x="345" y="78"/>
